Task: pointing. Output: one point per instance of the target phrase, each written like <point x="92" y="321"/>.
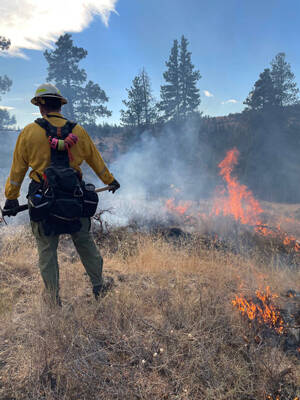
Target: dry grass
<point x="167" y="330"/>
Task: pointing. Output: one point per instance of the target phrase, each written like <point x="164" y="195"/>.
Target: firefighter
<point x="32" y="150"/>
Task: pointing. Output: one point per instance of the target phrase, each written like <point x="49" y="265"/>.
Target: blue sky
<point x="231" y="43"/>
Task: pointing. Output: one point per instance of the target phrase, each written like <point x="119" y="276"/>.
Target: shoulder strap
<point x="50" y="129"/>
<point x="58" y="158"/>
<point x="53" y="131"/>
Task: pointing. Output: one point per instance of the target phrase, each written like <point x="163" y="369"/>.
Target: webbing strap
<point x="58" y="158"/>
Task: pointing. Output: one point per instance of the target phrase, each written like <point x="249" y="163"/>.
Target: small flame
<point x="263" y="311"/>
<point x="180" y="209"/>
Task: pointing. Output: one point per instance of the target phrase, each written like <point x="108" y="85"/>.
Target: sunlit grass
<point x="167" y="330"/>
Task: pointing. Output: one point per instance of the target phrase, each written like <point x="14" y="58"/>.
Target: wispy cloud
<point x="207" y="93"/>
<point x="32" y="24"/>
<point x="230" y="101"/>
<point x="6" y="108"/>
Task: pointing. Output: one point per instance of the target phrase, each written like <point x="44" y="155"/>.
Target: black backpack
<point x="61" y="198"/>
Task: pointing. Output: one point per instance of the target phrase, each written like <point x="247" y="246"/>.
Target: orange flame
<point x="239" y="202"/>
<point x="180" y="209"/>
<point x="263" y="311"/>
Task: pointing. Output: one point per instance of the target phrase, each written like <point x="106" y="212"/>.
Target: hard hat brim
<point x="35" y="100"/>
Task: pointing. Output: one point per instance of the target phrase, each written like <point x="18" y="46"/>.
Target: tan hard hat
<point x="47" y="90"/>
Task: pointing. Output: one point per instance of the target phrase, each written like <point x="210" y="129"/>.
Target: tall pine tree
<point x="140" y="111"/>
<point x="170" y="92"/>
<point x="188" y="79"/>
<point x="180" y="97"/>
<point x="284" y="81"/>
<point x="263" y="95"/>
<point x="85" y="101"/>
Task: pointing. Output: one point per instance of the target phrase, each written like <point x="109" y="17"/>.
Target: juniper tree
<point x="140" y="111"/>
<point x="263" y="95"/>
<point x="85" y="101"/>
<point x="286" y="90"/>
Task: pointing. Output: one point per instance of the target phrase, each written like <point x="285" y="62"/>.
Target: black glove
<point x="11" y="205"/>
<point x="114" y="186"/>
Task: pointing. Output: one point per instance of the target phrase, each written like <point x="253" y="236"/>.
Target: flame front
<point x="234" y="200"/>
<point x="239" y="201"/>
<point x="262" y="310"/>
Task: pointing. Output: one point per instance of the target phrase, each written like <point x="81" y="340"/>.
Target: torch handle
<point x="103" y="189"/>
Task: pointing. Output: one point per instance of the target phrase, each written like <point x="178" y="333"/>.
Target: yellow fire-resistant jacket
<point x="33" y="150"/>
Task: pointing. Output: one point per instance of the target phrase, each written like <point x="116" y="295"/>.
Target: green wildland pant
<point x="85" y="246"/>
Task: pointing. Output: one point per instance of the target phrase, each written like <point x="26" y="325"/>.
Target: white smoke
<point x="157" y="169"/>
<point x="35" y="25"/>
<point x="8" y="141"/>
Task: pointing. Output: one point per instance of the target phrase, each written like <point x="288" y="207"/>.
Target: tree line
<point x="179" y="95"/>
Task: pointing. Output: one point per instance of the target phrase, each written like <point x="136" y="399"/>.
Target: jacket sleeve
<point x="95" y="161"/>
<point x="18" y="169"/>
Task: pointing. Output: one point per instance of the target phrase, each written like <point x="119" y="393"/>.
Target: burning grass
<point x="233" y="201"/>
<point x="168" y="329"/>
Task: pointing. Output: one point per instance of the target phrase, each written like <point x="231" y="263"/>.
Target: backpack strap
<point x="60" y="140"/>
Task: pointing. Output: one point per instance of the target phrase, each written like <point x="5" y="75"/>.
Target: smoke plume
<point x="157" y="169"/>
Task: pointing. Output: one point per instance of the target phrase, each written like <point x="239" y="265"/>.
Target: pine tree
<point x="180" y="97"/>
<point x="5" y="84"/>
<point x="149" y="109"/>
<point x="133" y="115"/>
<point x="263" y="95"/>
<point x="140" y="109"/>
<point x="188" y="78"/>
<point x="6" y="120"/>
<point x="170" y="93"/>
<point x="85" y="103"/>
<point x="283" y="80"/>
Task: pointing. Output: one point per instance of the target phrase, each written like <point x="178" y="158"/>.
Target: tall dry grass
<point x="166" y="331"/>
